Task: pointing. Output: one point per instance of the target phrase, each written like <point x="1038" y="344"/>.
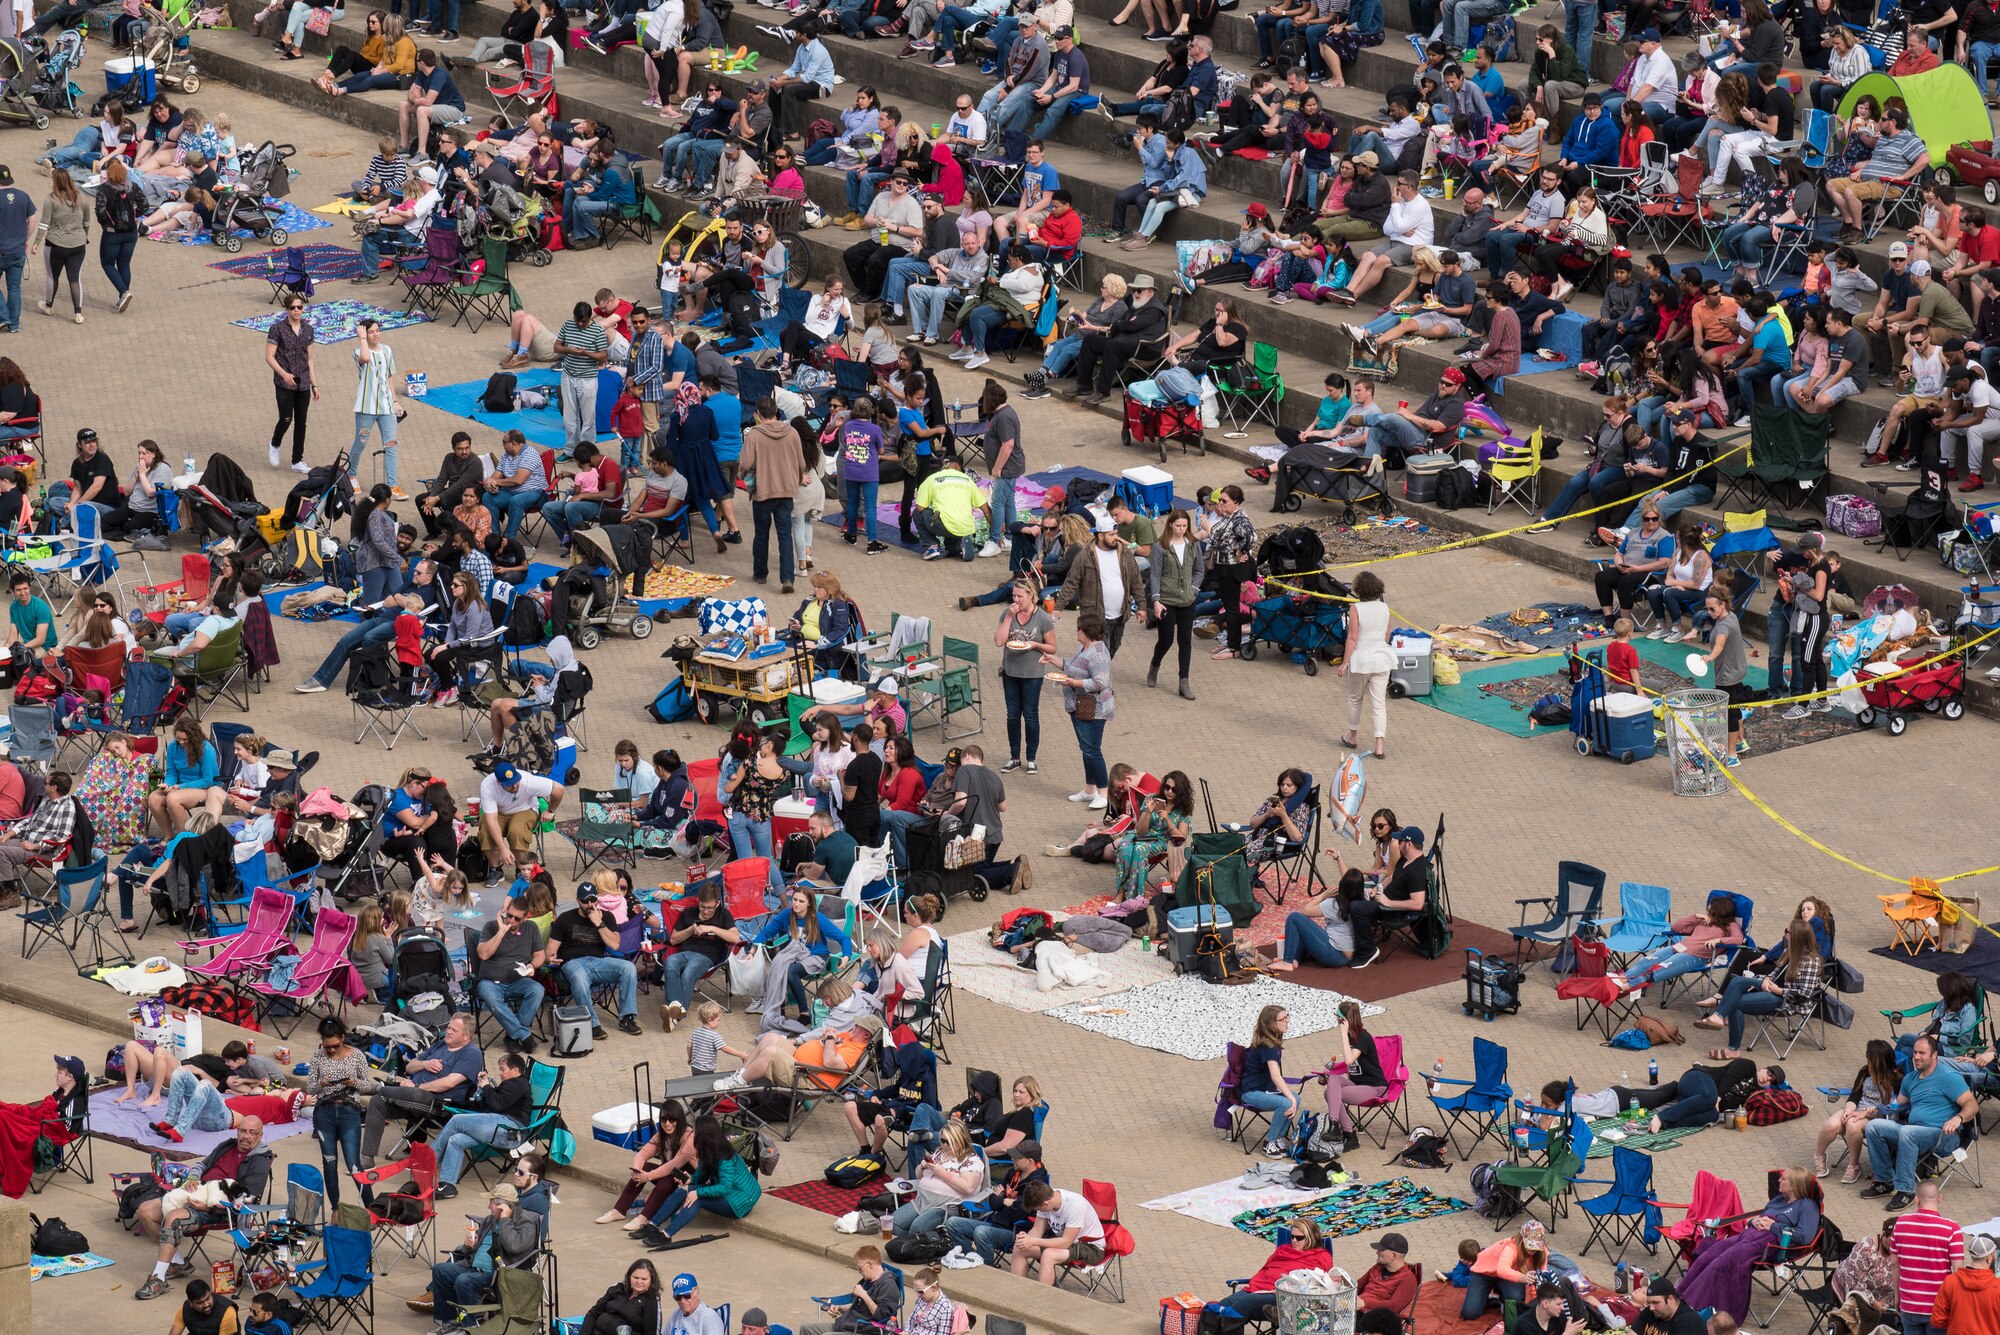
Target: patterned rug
<point x="676" y="582"/>
<point x="1220" y="1203"/>
<point x="1191" y="1018"/>
<point x="54" y="1267"/>
<point x="1634" y="1137"/>
<point x="325" y="262"/>
<point x="978" y="968"/>
<point x="336" y="321"/>
<point x="821" y="1195"/>
<point x="1552" y="630"/>
<point x="1352" y="1210"/>
<point x="290" y="217"/>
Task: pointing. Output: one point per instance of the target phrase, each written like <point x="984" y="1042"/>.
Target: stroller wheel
<point x="542" y="259"/>
<point x="190" y="83"/>
<point x="1954" y="709"/>
<point x="278" y="236"/>
<point x="41" y="120"/>
<point x="230" y="242"/>
<point x="586" y="637"/>
<point x="642" y="626"/>
<point x="1312" y="666"/>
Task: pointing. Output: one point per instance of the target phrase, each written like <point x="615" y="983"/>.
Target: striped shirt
<point x="1927" y="1247"/>
<point x="376" y="393"/>
<point x="590" y="337"/>
<point x="391" y="174"/>
<point x="704" y="1046"/>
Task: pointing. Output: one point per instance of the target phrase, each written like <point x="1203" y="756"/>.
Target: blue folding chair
<point x="295" y="1223"/>
<point x="1482" y="1108"/>
<point x="72" y="910"/>
<point x="1712" y="973"/>
<point x="1630" y="1211"/>
<point x="1644" y="914"/>
<point x="340" y="1287"/>
<point x="1574" y="881"/>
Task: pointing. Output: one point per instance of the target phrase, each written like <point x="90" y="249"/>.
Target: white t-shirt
<point x="1071" y="1210"/>
<point x="1113" y="581"/>
<point x="1983" y="395"/>
<point x="494" y="798"/>
<point x="251" y="778"/>
<point x="1928" y="373"/>
<point x="970" y="126"/>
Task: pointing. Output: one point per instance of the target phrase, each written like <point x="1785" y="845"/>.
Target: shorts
<point x="445" y="116"/>
<point x="1862" y="190"/>
<point x="730" y="468"/>
<point x="870" y="1111"/>
<point x="1910" y="403"/>
<point x="1738" y="693"/>
<point x="542" y="347"/>
<point x="1842" y="388"/>
<point x="1397" y="252"/>
<point x="1433" y="325"/>
<point x="1726" y="350"/>
<point x="1083" y="1252"/>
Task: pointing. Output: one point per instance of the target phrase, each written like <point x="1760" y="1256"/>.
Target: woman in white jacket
<point x="1367" y="661"/>
<point x="661" y="30"/>
<point x="810" y="502"/>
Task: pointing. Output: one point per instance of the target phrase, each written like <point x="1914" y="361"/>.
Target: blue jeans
<point x="337" y="1127"/>
<point x="682" y="970"/>
<point x="1664" y="963"/>
<point x="1271" y="30"/>
<point x="514" y="1003"/>
<point x="377" y="584"/>
<point x="1580" y="30"/>
<point x="586" y="975"/>
<point x="80" y="152"/>
<point x="1501" y="249"/>
<point x="1748" y="378"/>
<point x="566" y="516"/>
<point x="372" y="244"/>
<point x="860" y="500"/>
<point x="464" y="1132"/>
<point x="1305" y="937"/>
<point x="1468" y="12"/>
<point x="510" y="505"/>
<point x="701" y="159"/>
<point x="1746" y="241"/>
<point x="979" y="325"/>
<point x="1981" y="53"/>
<point x="1138" y="108"/>
<point x="1001" y="504"/>
<point x="11" y="262"/>
<point x="1893" y="1149"/>
<point x="1005" y="29"/>
<point x="765" y="514"/>
<point x="752" y="839"/>
<point x="1671" y="503"/>
<point x="909" y="1220"/>
<point x="114" y="256"/>
<point x="454" y="1286"/>
<point x="927" y="303"/>
<point x="953" y="20"/>
<point x="1276" y="1104"/>
<point x="861" y="188"/>
<point x="1060" y="356"/>
<point x="989" y="1240"/>
<point x="1918" y="1323"/>
<point x="898" y="824"/>
<point x="1673" y="604"/>
<point x="1024" y="714"/>
<point x="444" y="14"/>
<point x="1390" y="429"/>
<point x="1599" y="485"/>
<point x="1480" y="1288"/>
<point x="1752" y="1003"/>
<point x="1052" y="115"/>
<point x="194" y="1104"/>
<point x="584" y="211"/>
<point x="1090" y="741"/>
<point x="1777" y="638"/>
<point x="375" y="630"/>
<point x="384" y="426"/>
<point x="903" y="271"/>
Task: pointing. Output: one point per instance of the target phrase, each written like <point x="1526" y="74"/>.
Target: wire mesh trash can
<point x="1702" y="715"/>
<point x="1316" y="1302"/>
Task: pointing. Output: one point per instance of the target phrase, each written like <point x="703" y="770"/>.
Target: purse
<point x="1085" y="708"/>
<point x="320" y="21"/>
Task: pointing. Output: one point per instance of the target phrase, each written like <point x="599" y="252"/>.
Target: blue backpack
<point x="673" y="704"/>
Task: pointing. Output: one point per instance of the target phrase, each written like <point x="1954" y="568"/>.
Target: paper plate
<point x="1698" y="665"/>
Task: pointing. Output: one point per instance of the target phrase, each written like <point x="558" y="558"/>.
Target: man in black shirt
<point x="1768" y="119"/>
<point x="1665" y="1313"/>
<point x="860" y="790"/>
<point x="701" y="938"/>
<point x="580" y="944"/>
<point x="91" y="476"/>
<point x="1402" y="896"/>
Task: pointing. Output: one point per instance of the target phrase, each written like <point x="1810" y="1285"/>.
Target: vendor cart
<point x="753" y="680"/>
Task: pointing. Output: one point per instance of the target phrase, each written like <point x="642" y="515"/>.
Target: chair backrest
<point x="1389" y="1052"/>
<point x="219" y="655"/>
<point x="195" y="574"/>
<point x="305" y="1195"/>
<point x="1489" y="1069"/>
<point x="78" y="889"/>
<point x="539" y="60"/>
<point x="424" y="1170"/>
<point x="1631" y="1174"/>
<point x="270" y="911"/>
<point x="349" y="1253"/>
<point x="1103" y="1198"/>
<point x="1264" y="356"/>
<point x="1643" y="906"/>
<point x="332" y="932"/>
<point x="545" y="1083"/>
<point x="1579" y="881"/>
<point x="107" y="662"/>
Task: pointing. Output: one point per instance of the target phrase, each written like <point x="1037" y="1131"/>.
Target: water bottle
<point x="1620" y="1281"/>
<point x="1784" y="1237"/>
<point x="1653" y="1071"/>
<point x="1437" y="1069"/>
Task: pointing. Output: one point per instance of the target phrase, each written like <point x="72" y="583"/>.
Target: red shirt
<point x="1927" y="1246"/>
<point x="1061" y="233"/>
<point x="1380" y="1288"/>
<point x="1981" y="249"/>
<point x="903" y="790"/>
<point x="1621" y="664"/>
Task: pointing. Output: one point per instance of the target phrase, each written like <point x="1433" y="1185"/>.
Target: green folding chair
<point x="1253" y="394"/>
<point x="950" y="688"/>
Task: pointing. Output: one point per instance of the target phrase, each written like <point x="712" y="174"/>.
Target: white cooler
<point x="627" y="1126"/>
<point x="1412" y="673"/>
<point x="834" y="691"/>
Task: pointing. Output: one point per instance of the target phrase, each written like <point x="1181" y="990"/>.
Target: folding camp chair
<point x="1515" y="474"/>
<point x="487" y="294"/>
<point x="318" y="981"/>
<point x="519" y="1299"/>
<point x="1390" y="1112"/>
<point x="953" y="689"/>
<point x="340" y="1287"/>
<point x="606" y="835"/>
<point x="301" y="1216"/>
<point x="79" y="563"/>
<point x="1253" y="393"/>
<point x="1716" y="967"/>
<point x="1296" y="861"/>
<point x="1553" y="1181"/>
<point x="545" y="1083"/>
<point x="73" y="912"/>
<point x="1712" y="1199"/>
<point x="1107" y="1275"/>
<point x="927" y="1013"/>
<point x="1627" y="1212"/>
<point x="1482" y="1107"/>
<point x="386" y="713"/>
<point x="810" y="1086"/>
<point x="387" y="1220"/>
<point x="1644" y="914"/>
<point x="1574" y="880"/>
<point x="1809" y="1024"/>
<point x="213" y="672"/>
<point x="1599" y="990"/>
<point x="1240" y="1118"/>
<point x="1902" y="195"/>
<point x="529" y="89"/>
<point x="68" y="1134"/>
<point x="1786" y="1271"/>
<point x="428" y="284"/>
<point x="1914" y="915"/>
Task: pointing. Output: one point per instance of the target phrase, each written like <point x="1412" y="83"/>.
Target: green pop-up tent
<point x="1945" y="105"/>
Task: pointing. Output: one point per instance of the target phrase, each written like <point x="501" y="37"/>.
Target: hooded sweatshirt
<point x="773" y="459"/>
<point x="1968" y="1303"/>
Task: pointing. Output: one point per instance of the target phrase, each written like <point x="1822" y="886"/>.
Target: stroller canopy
<point x="618" y="546"/>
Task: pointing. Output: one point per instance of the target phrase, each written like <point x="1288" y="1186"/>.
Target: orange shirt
<point x="1716" y="325"/>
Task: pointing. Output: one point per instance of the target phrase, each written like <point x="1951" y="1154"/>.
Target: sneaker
<point x="154" y="1287"/>
<point x="309" y="687"/>
<point x="976" y="360"/>
<point x="1743" y="748"/>
<point x="300" y="467"/>
<point x="961" y="354"/>
<point x="933" y="553"/>
<point x="960" y="1259"/>
<point x="875" y="547"/>
<point x="944" y="62"/>
<point x="1676" y="636"/>
<point x="734" y="1080"/>
<point x="1797" y="712"/>
<point x="1276" y="1152"/>
<point x="1083" y="796"/>
<point x="446" y="698"/>
<point x="1362" y="963"/>
<point x="990" y="549"/>
<point x="1742" y="421"/>
<point x="1874" y="460"/>
<point x="1012" y="764"/>
<point x="914" y="336"/>
<point x="1032" y="767"/>
<point x="1730" y="762"/>
<point x="273" y="456"/>
<point x="1822" y="706"/>
<point x="1657" y="634"/>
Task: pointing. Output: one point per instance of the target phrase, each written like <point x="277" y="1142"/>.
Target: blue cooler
<point x="1628" y="725"/>
<point x="121" y="73"/>
<point x="1185" y="926"/>
<point x="1147" y="489"/>
<point x="628" y="1126"/>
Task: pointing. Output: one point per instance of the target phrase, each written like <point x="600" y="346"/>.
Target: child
<point x="1621" y="660"/>
<point x="671" y="276"/>
<point x="1819" y="277"/>
<point x="371" y="952"/>
<point x="387" y="170"/>
<point x="878" y="346"/>
<point x="587" y="479"/>
<point x="442" y="889"/>
<point x="246" y="786"/>
<point x="1468" y="1252"/>
<point x="409" y="637"/>
<point x="706" y="1043"/>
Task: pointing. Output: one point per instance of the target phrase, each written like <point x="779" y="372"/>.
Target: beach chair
<point x="390" y="1223"/>
<point x="1481" y="1108"/>
<point x="1627" y="1212"/>
<point x="1516" y="475"/>
<point x="72" y="912"/>
<point x="319" y="981"/>
<point x="1391" y="1112"/>
<point x="249" y="946"/>
<point x="1914" y="915"/>
<point x="340" y="1287"/>
<point x="545" y="1082"/>
<point x="1574" y="881"/>
<point x="1716" y="969"/>
<point x="1108" y="1275"/>
<point x="1644" y="912"/>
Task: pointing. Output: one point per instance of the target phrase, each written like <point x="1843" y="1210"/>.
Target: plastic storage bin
<point x="1184" y="929"/>
<point x="1412" y="673"/>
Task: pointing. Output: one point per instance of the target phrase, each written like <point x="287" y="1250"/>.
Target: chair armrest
<point x="308" y="1267"/>
<point x="1549" y="900"/>
<point x="1447" y="1080"/>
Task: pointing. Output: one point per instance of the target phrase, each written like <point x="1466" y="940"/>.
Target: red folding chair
<point x="1109" y="1273"/>
<point x="404" y="1218"/>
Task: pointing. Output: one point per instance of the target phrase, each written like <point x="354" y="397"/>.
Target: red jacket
<point x="1282" y="1261"/>
<point x="1064" y="233"/>
<point x="1380" y="1288"/>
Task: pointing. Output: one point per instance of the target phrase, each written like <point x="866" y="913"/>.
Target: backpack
<point x="1551" y="711"/>
<point x="1424" y="1149"/>
<point x="1180" y="113"/>
<point x="498" y="396"/>
<point x="1500" y="38"/>
<point x="854" y="1170"/>
<point x="1659" y="1031"/>
<point x="1292" y="53"/>
<point x="918" y="1249"/>
<point x="525" y="623"/>
<point x="1490" y="1199"/>
<point x="472" y="860"/>
<point x="52" y="1237"/>
<point x="1454" y="489"/>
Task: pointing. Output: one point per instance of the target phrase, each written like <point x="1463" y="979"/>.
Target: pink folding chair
<point x="250" y="948"/>
<point x="321" y="981"/>
<point x="1391" y="1112"/>
<point x="1714" y="1200"/>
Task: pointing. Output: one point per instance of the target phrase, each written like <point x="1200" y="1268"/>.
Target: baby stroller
<point x="610" y="552"/>
<point x="170" y="46"/>
<point x="422" y="969"/>
<point x="243" y="205"/>
<point x="518" y="220"/>
<point x="35" y="82"/>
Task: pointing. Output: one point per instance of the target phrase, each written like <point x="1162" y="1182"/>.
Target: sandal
<point x="1722" y="1055"/>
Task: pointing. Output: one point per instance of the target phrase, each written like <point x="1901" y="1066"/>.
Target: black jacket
<point x="1144" y="323"/>
<point x="512" y="1097"/>
<point x="640" y="1311"/>
<point x="1369" y="199"/>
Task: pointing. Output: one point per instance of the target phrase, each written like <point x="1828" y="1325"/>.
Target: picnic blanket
<point x="819" y="1194"/>
<point x="337" y="321"/>
<point x="324" y="261"/>
<point x="127" y="1124"/>
<point x="1192" y="1018"/>
<point x="978" y="968"/>
<point x="342" y="208"/>
<point x="1633" y="1137"/>
<point x="1351" y="1210"/>
<point x="290" y="217"/>
<point x="54" y="1267"/>
<point x="542" y="426"/>
<point x="1543" y="626"/>
<point x="679" y="582"/>
<point x="1220" y="1203"/>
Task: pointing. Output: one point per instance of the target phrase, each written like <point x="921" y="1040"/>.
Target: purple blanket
<point x="126" y="1123"/>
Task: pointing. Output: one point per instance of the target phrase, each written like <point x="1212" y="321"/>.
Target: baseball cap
<point x="1367" y="159"/>
<point x="507" y="775"/>
<point x="684" y="1284"/>
<point x="1256" y="210"/>
<point x="1661" y="1287"/>
<point x="1023" y="1149"/>
<point x="755" y="1317"/>
<point x="1899" y="251"/>
<point x="1104" y="524"/>
<point x="1954" y="344"/>
<point x="758" y="86"/>
<point x="1979" y="1247"/>
<point x="1063" y="33"/>
<point x="888" y="686"/>
<point x="427" y="174"/>
<point x="1650" y="35"/>
<point x="74" y="1065"/>
<point x="1920" y="268"/>
<point x="955" y="755"/>
<point x="1410" y="834"/>
<point x="1452" y="375"/>
<point x="1811" y="542"/>
<point x="504" y="1192"/>
<point x="586" y="893"/>
<point x="1393" y="1242"/>
<point x="84" y="433"/>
